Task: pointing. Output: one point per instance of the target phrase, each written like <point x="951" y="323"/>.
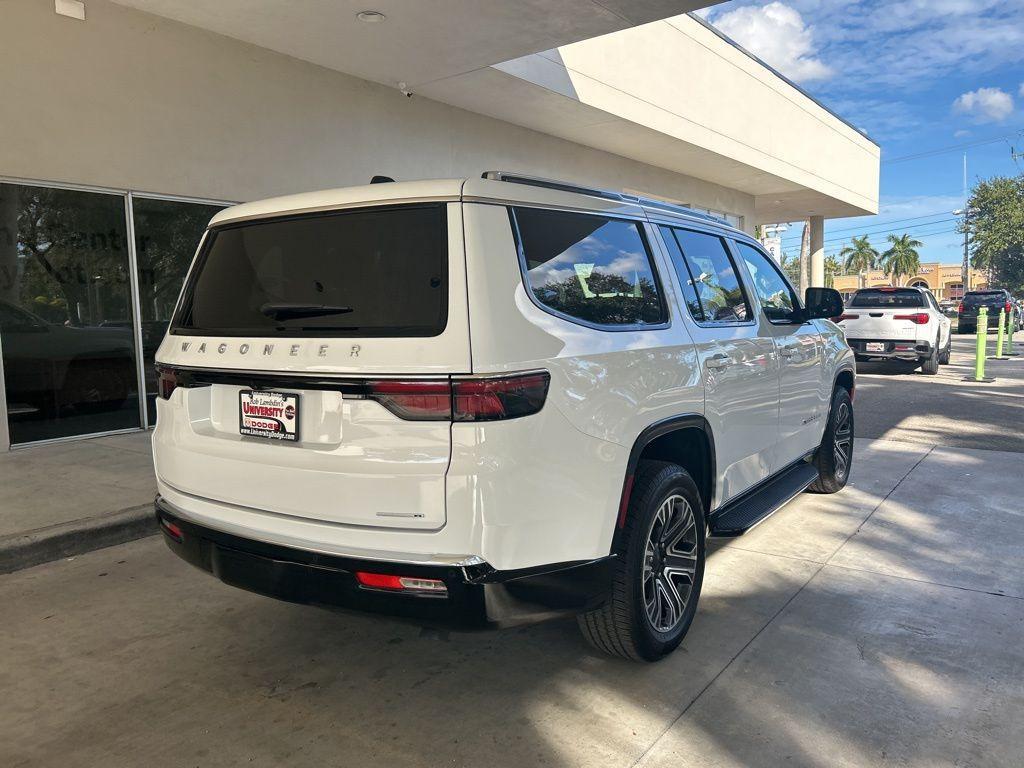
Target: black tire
<point x="624" y="626"/>
<point x="947" y="351"/>
<point x="930" y="365"/>
<point x="833" y="469"/>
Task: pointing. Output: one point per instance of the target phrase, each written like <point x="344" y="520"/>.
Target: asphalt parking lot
<point x="883" y="626"/>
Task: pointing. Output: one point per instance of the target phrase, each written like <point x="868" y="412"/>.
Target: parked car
<point x="897" y="324"/>
<point x="968" y="311"/>
<point x="49" y="368"/>
<point x="490" y="400"/>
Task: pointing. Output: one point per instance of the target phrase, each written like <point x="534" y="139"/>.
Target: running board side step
<point x="742" y="514"/>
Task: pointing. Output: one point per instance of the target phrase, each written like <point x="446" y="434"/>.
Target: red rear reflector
<point x="400" y="583"/>
<point x="174" y="531"/>
<point x="499" y="398"/>
<point x="918" y="318"/>
<point x="844" y="317"/>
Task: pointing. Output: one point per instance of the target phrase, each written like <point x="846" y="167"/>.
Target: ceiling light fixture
<point x="371" y="17"/>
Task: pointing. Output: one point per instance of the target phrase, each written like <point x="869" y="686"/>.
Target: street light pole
<point x="965" y="268"/>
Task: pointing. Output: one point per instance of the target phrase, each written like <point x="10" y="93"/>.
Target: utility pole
<point x="805" y="258"/>
<point x="965" y="267"/>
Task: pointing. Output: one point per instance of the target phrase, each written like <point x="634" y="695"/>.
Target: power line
<point x="893" y="221"/>
<point x="876" y="233"/>
<point x="952" y="148"/>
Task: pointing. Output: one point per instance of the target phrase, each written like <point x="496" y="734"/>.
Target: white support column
<point x="818" y="251"/>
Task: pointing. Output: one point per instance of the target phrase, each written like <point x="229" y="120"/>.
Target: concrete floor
<point x="47" y="485"/>
<point x="882" y="626"/>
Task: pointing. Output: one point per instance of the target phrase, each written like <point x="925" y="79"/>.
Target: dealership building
<point x="127" y="124"/>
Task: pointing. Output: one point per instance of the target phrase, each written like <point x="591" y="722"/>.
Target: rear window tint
<point x="588" y="267"/>
<point x="883" y="298"/>
<point x="380" y="272"/>
<point x="987" y="299"/>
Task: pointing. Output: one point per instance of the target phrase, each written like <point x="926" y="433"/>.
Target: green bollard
<point x="1000" y="336"/>
<point x="981" y="348"/>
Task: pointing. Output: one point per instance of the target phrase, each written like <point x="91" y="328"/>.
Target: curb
<point x="43" y="545"/>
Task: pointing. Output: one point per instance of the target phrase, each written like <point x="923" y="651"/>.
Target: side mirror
<point x="822" y="302"/>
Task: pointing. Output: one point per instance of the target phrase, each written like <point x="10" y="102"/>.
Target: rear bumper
<point x="971" y="321"/>
<point x="894" y="349"/>
<point x="477" y="595"/>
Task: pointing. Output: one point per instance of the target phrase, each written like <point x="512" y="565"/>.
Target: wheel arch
<point x="686" y="440"/>
<point x="846" y="379"/>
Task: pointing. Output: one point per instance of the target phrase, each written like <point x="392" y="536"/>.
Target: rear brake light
<point x="918" y="318"/>
<point x="167" y="379"/>
<point x="414" y="400"/>
<point x="844" y="317"/>
<point x="485" y="399"/>
<point x="500" y="398"/>
<point x="400" y="583"/>
<point x="960" y="308"/>
<point x="1008" y="307"/>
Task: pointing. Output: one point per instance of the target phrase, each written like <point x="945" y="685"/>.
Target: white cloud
<point x="776" y="32"/>
<point x="985" y="105"/>
<point x="1021" y="91"/>
<point x="961" y="134"/>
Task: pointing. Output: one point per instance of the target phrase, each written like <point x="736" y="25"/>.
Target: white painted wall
<point x="129" y="100"/>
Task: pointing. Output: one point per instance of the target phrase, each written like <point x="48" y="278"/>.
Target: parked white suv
<point x="490" y="400"/>
<point x="897" y="324"/>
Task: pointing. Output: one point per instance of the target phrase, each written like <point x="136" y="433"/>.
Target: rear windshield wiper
<point x="288" y="311"/>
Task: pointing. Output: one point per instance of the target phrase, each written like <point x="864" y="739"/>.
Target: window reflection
<point x="166" y="235"/>
<point x="65" y="313"/>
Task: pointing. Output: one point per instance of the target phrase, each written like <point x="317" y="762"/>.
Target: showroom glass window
<point x="66" y="324"/>
<point x="167" y="233"/>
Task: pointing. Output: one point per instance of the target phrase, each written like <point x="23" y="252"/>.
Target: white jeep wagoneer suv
<point x="490" y="400"/>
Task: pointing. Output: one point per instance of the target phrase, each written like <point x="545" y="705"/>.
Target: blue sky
<point x="919" y="76"/>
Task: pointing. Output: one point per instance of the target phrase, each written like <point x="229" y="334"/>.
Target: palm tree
<point x="902" y="257"/>
<point x="859" y="257"/>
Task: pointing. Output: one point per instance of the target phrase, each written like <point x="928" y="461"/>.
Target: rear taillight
<point x="960" y="308"/>
<point x="167" y="381"/>
<point x="414" y="400"/>
<point x="394" y="583"/>
<point x="918" y="318"/>
<point x="844" y="317"/>
<point x="468" y="399"/>
<point x="1008" y="307"/>
<point x="507" y="397"/>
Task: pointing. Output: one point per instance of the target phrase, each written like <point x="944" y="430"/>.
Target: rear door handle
<point x="717" y="362"/>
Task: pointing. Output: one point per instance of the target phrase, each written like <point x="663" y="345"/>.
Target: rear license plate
<point x="874" y="346"/>
<point x="274" y="415"/>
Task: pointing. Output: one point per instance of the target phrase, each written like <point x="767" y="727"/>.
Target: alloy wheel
<point x="670" y="563"/>
<point x="843" y="440"/>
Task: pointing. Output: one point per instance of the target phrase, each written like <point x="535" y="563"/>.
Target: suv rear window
<point x="874" y="297"/>
<point x="587" y="267"/>
<point x="984" y="298"/>
<point x="374" y="272"/>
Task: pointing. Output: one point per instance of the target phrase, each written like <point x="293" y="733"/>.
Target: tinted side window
<point x="708" y="268"/>
<point x="591" y="268"/>
<point x="689" y="292"/>
<point x="777" y="297"/>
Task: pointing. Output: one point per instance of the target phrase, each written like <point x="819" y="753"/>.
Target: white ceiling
<point x="421" y="40"/>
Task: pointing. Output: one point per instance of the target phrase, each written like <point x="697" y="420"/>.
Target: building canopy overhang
<point x="642" y="79"/>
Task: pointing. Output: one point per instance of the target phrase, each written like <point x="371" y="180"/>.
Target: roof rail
<point x="607" y="194"/>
